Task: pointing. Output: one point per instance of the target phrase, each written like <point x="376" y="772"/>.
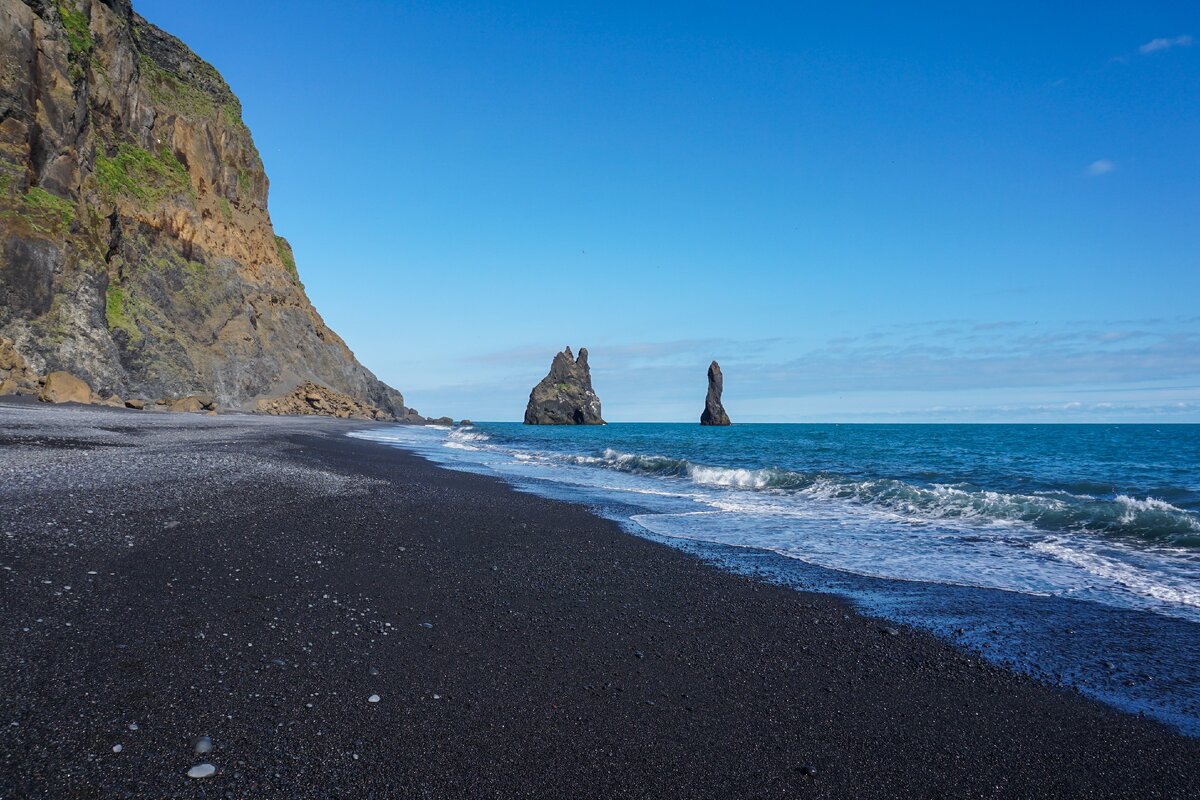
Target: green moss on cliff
<point x="286" y="256"/>
<point x="38" y="211"/>
<point x="141" y="175"/>
<point x="173" y="92"/>
<point x="226" y="210"/>
<point x="118" y="313"/>
<point x="232" y="111"/>
<point x="79" y="30"/>
<point x="53" y="211"/>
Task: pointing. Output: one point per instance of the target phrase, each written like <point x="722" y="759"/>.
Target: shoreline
<point x="247" y="567"/>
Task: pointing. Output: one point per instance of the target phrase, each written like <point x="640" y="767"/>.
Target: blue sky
<point x="865" y="211"/>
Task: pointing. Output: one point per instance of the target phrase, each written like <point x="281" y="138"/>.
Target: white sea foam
<point x="1133" y="507"/>
<point x="1122" y="573"/>
<point x="468" y="435"/>
<point x="1043" y="542"/>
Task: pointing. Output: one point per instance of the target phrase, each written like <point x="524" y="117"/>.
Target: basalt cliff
<point x="565" y="396"/>
<point x="136" y="249"/>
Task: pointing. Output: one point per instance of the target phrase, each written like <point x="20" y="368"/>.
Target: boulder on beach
<point x="63" y="387"/>
<point x="314" y="399"/>
<point x="565" y="396"/>
<point x="16" y="377"/>
<point x="714" y="412"/>
<point x="193" y="404"/>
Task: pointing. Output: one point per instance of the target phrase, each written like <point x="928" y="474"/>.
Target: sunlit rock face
<point x="565" y="396"/>
<point x="136" y="249"/>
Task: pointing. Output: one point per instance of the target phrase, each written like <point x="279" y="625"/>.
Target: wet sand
<point x="257" y="580"/>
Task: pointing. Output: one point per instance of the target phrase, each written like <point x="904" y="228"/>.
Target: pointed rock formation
<point x="565" y="396"/>
<point x="714" y="412"/>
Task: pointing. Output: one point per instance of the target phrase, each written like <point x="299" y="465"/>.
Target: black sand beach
<point x="256" y="580"/>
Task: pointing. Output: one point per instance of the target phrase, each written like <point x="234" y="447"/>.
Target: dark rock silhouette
<point x="565" y="395"/>
<point x="714" y="412"/>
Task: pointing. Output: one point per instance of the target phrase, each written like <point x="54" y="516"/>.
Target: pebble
<point x="373" y="698"/>
<point x="202" y="745"/>
<point x="133" y="726"/>
<point x="202" y="771"/>
<point x="117" y="748"/>
<point x="426" y="624"/>
<point x="808" y="771"/>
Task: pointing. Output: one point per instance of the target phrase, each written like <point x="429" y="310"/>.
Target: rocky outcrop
<point x="63" y="387"/>
<point x="313" y="399"/>
<point x="136" y="248"/>
<point x="714" y="412"/>
<point x="565" y="396"/>
<point x="15" y="375"/>
<point x="193" y="404"/>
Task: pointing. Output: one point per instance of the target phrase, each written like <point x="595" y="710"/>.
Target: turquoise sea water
<point x="1071" y="551"/>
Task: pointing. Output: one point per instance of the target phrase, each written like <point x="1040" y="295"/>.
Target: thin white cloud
<point x="1101" y="167"/>
<point x="1166" y="43"/>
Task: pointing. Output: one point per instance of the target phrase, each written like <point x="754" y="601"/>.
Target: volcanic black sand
<point x="257" y="580"/>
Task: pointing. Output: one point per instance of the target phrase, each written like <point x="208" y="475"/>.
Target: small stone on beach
<point x="202" y="745"/>
<point x="373" y="698"/>
<point x="117" y="748"/>
<point x="202" y="771"/>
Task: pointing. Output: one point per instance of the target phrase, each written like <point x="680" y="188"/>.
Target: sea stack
<point x="565" y="395"/>
<point x="714" y="412"/>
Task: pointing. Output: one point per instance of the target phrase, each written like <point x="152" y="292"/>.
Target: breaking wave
<point x="1147" y="518"/>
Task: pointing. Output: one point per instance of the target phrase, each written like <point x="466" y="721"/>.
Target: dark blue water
<point x="1067" y="551"/>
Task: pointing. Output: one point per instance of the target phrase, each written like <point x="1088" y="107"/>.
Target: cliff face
<point x="565" y="396"/>
<point x="136" y="250"/>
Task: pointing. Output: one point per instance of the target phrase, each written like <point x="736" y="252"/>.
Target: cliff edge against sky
<point x="136" y="249"/>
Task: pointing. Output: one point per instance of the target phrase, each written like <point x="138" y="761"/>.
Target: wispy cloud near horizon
<point x="1100" y="167"/>
<point x="941" y="369"/>
<point x="1165" y="43"/>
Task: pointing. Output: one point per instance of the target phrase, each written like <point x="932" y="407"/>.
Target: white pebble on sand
<point x="373" y="698"/>
<point x="202" y="771"/>
<point x="117" y="748"/>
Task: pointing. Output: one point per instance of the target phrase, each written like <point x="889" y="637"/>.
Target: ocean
<point x="1070" y="552"/>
